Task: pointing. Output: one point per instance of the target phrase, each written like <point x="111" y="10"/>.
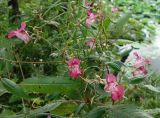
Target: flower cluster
<point x="116" y="90"/>
<point x="91" y="17"/>
<point x="91" y="43"/>
<point x="140" y="65"/>
<point x="74" y="69"/>
<point x="114" y="9"/>
<point x="20" y="33"/>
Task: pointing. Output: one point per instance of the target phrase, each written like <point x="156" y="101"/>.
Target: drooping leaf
<point x="68" y="108"/>
<point x="97" y="112"/>
<point x="116" y="65"/>
<point x="123" y="41"/>
<point x="136" y="80"/>
<point x="45" y="84"/>
<point x="2" y="89"/>
<point x="152" y="88"/>
<point x="127" y="111"/>
<point x="13" y="87"/>
<point x="125" y="50"/>
<point x="153" y="111"/>
<point x="37" y="112"/>
<point x="48" y="107"/>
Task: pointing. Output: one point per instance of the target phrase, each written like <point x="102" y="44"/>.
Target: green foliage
<point x="38" y="82"/>
<point x="13" y="87"/>
<point x="44" y="84"/>
<point x="118" y="26"/>
<point x="96" y="112"/>
<point x="36" y="112"/>
<point x="127" y="111"/>
<point x="152" y="88"/>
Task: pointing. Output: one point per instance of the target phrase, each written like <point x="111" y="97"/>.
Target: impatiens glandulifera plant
<point x="74" y="69"/>
<point x="114" y="9"/>
<point x="56" y="28"/>
<point x="91" y="43"/>
<point x="113" y="88"/>
<point x="140" y="65"/>
<point x="20" y="33"/>
<point x="91" y="18"/>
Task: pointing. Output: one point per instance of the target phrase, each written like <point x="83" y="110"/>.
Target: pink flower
<point x="49" y="116"/>
<point x="139" y="71"/>
<point x="91" y="43"/>
<point x="73" y="66"/>
<point x="116" y="90"/>
<point x="20" y="33"/>
<point x="140" y="65"/>
<point x="73" y="62"/>
<point x="91" y="18"/>
<point x="110" y="78"/>
<point x="114" y="9"/>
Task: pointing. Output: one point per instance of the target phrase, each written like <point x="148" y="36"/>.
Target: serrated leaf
<point x="136" y="80"/>
<point x="123" y="41"/>
<point x="37" y="112"/>
<point x="127" y="111"/>
<point x="13" y="88"/>
<point x="68" y="108"/>
<point x="97" y="112"/>
<point x="46" y="84"/>
<point x="152" y="88"/>
<point x="48" y="107"/>
<point x="116" y="65"/>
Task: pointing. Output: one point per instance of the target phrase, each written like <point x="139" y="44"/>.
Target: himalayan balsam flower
<point x="20" y="33"/>
<point x="49" y="116"/>
<point x="116" y="90"/>
<point x="88" y="5"/>
<point x="113" y="88"/>
<point x="114" y="9"/>
<point x="91" y="43"/>
<point x="91" y="18"/>
<point x="140" y="65"/>
<point x="110" y="78"/>
<point x="74" y="69"/>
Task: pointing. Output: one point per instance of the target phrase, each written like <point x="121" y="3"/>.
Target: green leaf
<point x="116" y="65"/>
<point x="153" y="111"/>
<point x="106" y="23"/>
<point x="37" y="112"/>
<point x="118" y="27"/>
<point x="136" y="80"/>
<point x="48" y="107"/>
<point x="125" y="50"/>
<point x="2" y="89"/>
<point x="152" y="88"/>
<point x="13" y="87"/>
<point x="127" y="111"/>
<point x="5" y="53"/>
<point x="97" y="112"/>
<point x="46" y="84"/>
<point x="123" y="41"/>
<point x="68" y="108"/>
